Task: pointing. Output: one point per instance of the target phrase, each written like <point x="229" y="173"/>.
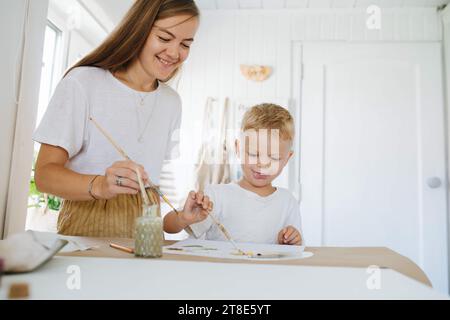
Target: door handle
<point x="434" y="182"/>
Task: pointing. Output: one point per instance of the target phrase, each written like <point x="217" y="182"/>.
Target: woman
<point x="121" y="86"/>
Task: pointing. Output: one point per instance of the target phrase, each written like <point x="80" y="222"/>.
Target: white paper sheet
<point x="74" y="245"/>
<point x="225" y="250"/>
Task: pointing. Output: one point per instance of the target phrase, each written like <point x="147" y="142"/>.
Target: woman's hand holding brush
<point x="120" y="178"/>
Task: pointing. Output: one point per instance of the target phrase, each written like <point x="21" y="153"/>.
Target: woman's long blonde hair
<point x="126" y="42"/>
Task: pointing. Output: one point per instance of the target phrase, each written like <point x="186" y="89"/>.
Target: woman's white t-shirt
<point x="247" y="216"/>
<point x="93" y="92"/>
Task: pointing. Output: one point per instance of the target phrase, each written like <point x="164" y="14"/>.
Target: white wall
<point x="228" y="38"/>
<point x="446" y="38"/>
<point x="20" y="73"/>
<point x="9" y="29"/>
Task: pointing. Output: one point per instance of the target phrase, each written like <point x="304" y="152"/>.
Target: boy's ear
<point x="291" y="153"/>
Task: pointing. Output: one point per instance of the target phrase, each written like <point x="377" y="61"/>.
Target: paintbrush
<point x="121" y="248"/>
<point x="120" y="150"/>
<point x="107" y="136"/>
<point x="164" y="198"/>
<point x="225" y="233"/>
<point x="144" y="194"/>
<point x="141" y="186"/>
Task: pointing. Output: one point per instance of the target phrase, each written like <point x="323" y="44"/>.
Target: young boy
<point x="252" y="210"/>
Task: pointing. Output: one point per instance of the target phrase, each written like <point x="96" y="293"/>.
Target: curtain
<point x="213" y="165"/>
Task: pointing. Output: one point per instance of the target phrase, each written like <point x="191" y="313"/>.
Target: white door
<point x="372" y="150"/>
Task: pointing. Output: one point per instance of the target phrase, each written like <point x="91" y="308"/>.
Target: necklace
<point x="141" y="131"/>
<point x="142" y="98"/>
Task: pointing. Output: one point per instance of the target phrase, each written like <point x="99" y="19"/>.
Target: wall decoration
<point x="256" y="73"/>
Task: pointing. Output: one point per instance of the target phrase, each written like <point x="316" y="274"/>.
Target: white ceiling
<point x="115" y="9"/>
<point x="288" y="4"/>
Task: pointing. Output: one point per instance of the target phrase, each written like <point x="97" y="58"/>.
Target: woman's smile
<point x="166" y="62"/>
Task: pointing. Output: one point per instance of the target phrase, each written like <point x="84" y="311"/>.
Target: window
<point x="50" y="69"/>
<point x="64" y="44"/>
<point x="39" y="217"/>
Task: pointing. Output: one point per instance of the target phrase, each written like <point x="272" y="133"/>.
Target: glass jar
<point x="149" y="235"/>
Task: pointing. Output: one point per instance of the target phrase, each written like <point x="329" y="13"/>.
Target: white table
<point x="106" y="278"/>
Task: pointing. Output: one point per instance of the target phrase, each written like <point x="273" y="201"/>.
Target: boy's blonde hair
<point x="269" y="116"/>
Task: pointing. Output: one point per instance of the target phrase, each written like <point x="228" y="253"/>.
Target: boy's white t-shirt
<point x="90" y="91"/>
<point x="247" y="216"/>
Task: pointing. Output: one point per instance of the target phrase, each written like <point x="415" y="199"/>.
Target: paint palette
<point x="191" y="248"/>
<point x="261" y="255"/>
<point x="249" y="251"/>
